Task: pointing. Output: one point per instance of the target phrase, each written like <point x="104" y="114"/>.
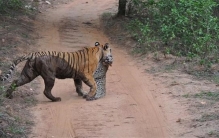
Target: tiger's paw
<point x="85" y="96"/>
<point x="80" y="94"/>
<point x="57" y="99"/>
<point x="90" y="98"/>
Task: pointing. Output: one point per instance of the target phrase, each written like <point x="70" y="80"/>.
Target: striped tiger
<point x="79" y="65"/>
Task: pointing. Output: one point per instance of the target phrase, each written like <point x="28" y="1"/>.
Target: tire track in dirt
<point x="127" y="110"/>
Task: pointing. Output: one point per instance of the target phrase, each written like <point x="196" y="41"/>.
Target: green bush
<point x="6" y="5"/>
<point x="183" y="27"/>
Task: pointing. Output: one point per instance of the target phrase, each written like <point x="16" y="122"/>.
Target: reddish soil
<point x="136" y="103"/>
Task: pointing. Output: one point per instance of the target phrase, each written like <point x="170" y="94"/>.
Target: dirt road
<point x="128" y="109"/>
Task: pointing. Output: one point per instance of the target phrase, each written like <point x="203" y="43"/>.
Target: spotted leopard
<point x="100" y="78"/>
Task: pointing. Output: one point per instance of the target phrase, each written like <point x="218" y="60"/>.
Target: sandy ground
<point x="129" y="108"/>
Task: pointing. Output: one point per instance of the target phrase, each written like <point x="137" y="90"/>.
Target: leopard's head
<point x="107" y="58"/>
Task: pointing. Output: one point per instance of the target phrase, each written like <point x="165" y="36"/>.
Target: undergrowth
<point x="208" y="95"/>
<point x="178" y="28"/>
<point x="180" y="31"/>
<point x="16" y="35"/>
<point x="15" y="7"/>
<point x="181" y="28"/>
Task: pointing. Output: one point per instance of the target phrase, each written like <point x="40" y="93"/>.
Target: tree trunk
<point x="122" y="8"/>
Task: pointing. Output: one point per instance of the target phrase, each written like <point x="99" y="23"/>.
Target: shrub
<point x="6" y="5"/>
<point x="187" y="28"/>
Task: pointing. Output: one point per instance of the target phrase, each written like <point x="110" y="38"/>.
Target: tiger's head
<point x="107" y="58"/>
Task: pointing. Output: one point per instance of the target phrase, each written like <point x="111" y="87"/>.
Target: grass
<point x="212" y="76"/>
<point x="16" y="130"/>
<point x="1" y="99"/>
<point x="30" y="101"/>
<point x="213" y="133"/>
<point x="163" y="68"/>
<point x="208" y="117"/>
<point x="28" y="122"/>
<point x="1" y="114"/>
<point x="170" y="67"/>
<point x="207" y="95"/>
<point x="213" y="96"/>
<point x="12" y="127"/>
<point x="17" y="119"/>
<point x="106" y="15"/>
<point x="186" y="95"/>
<point x="24" y="35"/>
<point x="216" y="79"/>
<point x="2" y="91"/>
<point x="106" y="18"/>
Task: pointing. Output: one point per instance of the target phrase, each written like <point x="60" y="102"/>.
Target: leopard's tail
<point x="14" y="64"/>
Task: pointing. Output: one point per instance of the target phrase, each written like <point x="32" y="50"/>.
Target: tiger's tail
<point x="14" y="64"/>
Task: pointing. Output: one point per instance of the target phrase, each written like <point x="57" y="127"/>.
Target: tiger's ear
<point x="97" y="43"/>
<point x="106" y="46"/>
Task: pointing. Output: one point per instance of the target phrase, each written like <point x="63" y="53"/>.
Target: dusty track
<point x="128" y="109"/>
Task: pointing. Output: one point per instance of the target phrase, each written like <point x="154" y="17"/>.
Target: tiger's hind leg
<point x="78" y="85"/>
<point x="49" y="80"/>
<point x="49" y="83"/>
<point x="27" y="75"/>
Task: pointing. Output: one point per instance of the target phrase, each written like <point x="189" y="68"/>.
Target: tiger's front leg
<point x="89" y="81"/>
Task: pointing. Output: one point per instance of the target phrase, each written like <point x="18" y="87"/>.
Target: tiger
<point x="79" y="65"/>
<point x="100" y="78"/>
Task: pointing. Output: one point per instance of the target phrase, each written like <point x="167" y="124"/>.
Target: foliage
<point x="182" y="27"/>
<point x="6" y="5"/>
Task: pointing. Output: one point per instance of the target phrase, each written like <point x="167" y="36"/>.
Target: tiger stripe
<point x="74" y="59"/>
<point x="79" y="65"/>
